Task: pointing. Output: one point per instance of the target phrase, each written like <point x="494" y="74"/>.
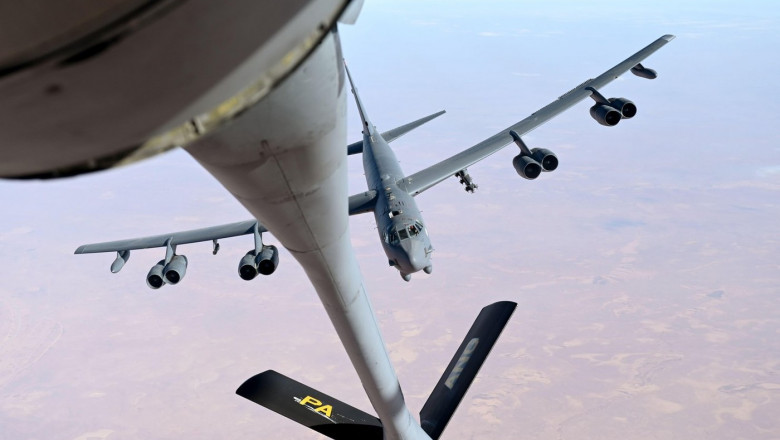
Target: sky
<point x="646" y="268"/>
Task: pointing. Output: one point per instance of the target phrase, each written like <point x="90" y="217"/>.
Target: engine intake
<point x="546" y="158"/>
<point x="154" y="278"/>
<point x="626" y="107"/>
<point x="527" y="167"/>
<point x="605" y="115"/>
<point x="253" y="263"/>
<point x="268" y="260"/>
<point x="530" y="163"/>
<point x="175" y="270"/>
<point x="247" y="269"/>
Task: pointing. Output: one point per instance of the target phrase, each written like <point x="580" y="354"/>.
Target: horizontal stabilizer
<point x="391" y="135"/>
<point x="309" y="407"/>
<point x="457" y="378"/>
<point x="362" y="202"/>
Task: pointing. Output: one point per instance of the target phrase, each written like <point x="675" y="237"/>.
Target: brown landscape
<point x="646" y="269"/>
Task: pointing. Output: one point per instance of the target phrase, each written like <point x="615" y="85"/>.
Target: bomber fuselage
<point x="399" y="222"/>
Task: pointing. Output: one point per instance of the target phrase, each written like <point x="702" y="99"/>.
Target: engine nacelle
<point x="247" y="269"/>
<point x="546" y="158"/>
<point x="526" y="167"/>
<point x="154" y="278"/>
<point x="268" y="260"/>
<point x="175" y="270"/>
<point x="605" y="115"/>
<point x="626" y="107"/>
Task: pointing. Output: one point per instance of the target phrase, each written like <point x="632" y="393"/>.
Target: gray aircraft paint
<point x="418" y="182"/>
<point x="283" y="159"/>
<point x="399" y="222"/>
<point x="294" y="152"/>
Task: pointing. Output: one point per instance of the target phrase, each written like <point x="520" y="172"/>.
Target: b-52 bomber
<point x="390" y="194"/>
<point x="294" y="178"/>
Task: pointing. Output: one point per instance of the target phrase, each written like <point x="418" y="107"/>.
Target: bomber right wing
<point x="424" y="179"/>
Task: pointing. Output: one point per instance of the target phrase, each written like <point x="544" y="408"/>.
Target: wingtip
<point x="79" y="250"/>
<point x="669" y="37"/>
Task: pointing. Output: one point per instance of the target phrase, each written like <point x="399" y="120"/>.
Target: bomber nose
<point x="416" y="262"/>
<point x="415" y="255"/>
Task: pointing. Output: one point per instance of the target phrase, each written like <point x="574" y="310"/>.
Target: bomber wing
<point x="176" y="238"/>
<point x="263" y="259"/>
<point x="420" y="181"/>
<point x="358" y="204"/>
<point x="172" y="268"/>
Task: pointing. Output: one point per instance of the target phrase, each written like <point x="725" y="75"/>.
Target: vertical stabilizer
<point x="463" y="367"/>
<point x="368" y="128"/>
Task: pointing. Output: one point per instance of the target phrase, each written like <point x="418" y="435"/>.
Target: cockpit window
<point x="415" y="229"/>
<point x="393" y="236"/>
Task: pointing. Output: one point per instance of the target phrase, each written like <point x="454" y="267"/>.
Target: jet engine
<point x="174" y="271"/>
<point x="527" y="167"/>
<point x="626" y="107"/>
<point x="154" y="278"/>
<point x="546" y="158"/>
<point x="605" y="114"/>
<point x="268" y="260"/>
<point x="530" y="163"/>
<point x="247" y="269"/>
<point x="253" y="262"/>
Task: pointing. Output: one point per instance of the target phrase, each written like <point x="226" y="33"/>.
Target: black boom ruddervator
<point x="338" y="420"/>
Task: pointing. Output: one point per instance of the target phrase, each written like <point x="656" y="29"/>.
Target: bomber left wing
<point x="175" y="238"/>
<point x="530" y="163"/>
<point x="171" y="269"/>
<point x="263" y="259"/>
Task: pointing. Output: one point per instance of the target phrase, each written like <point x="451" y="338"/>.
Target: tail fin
<point x="463" y="367"/>
<point x="368" y="128"/>
<point x="309" y="407"/>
